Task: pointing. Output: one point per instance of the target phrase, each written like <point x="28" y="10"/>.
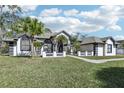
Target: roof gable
<point x="23" y="35"/>
<point x="64" y="32"/>
<point x="106" y="38"/>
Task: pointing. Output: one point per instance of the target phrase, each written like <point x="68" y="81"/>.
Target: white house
<point x="21" y="45"/>
<point x="94" y="46"/>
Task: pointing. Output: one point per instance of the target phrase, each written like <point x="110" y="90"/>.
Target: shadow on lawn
<point x="112" y="77"/>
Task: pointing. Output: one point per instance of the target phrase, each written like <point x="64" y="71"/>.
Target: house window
<point x="11" y="43"/>
<point x="25" y="44"/>
<point x="48" y="45"/>
<point x="109" y="48"/>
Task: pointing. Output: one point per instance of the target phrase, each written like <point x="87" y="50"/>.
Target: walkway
<point x="96" y="61"/>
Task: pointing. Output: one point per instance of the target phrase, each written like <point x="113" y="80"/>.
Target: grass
<point x="59" y="72"/>
<point x="103" y="57"/>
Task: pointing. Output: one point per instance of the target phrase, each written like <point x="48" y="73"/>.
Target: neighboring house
<point x="94" y="46"/>
<point x="120" y="47"/>
<point x="21" y="45"/>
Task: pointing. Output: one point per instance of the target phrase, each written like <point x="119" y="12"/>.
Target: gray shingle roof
<point x="119" y="41"/>
<point x="21" y="34"/>
<point x="90" y="40"/>
<point x="7" y="39"/>
<point x="49" y="34"/>
<point x="45" y="35"/>
<point x="63" y="31"/>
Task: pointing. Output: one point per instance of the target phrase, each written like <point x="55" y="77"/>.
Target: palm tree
<point x="76" y="39"/>
<point x="47" y="30"/>
<point x="75" y="44"/>
<point x="61" y="41"/>
<point x="37" y="46"/>
<point x="29" y="26"/>
<point x="35" y="28"/>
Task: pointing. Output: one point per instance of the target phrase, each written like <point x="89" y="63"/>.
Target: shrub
<point x="4" y="49"/>
<point x="37" y="44"/>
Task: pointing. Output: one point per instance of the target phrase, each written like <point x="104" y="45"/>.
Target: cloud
<point x="89" y="27"/>
<point x="119" y="37"/>
<point x="72" y="12"/>
<point x="50" y="12"/>
<point x="114" y="28"/>
<point x="109" y="10"/>
<point x="69" y="24"/>
<point x="60" y="23"/>
<point x="56" y="22"/>
<point x="88" y="14"/>
<point x="29" y="8"/>
<point x="104" y="17"/>
<point x="33" y="17"/>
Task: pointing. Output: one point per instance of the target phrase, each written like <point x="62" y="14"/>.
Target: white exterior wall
<point x="109" y="41"/>
<point x="15" y="50"/>
<point x="18" y="46"/>
<point x="100" y="49"/>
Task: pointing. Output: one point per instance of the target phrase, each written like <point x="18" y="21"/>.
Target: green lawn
<point x="103" y="57"/>
<point x="59" y="72"/>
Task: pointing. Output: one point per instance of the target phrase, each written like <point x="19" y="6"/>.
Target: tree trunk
<point x="32" y="47"/>
<point x="0" y="18"/>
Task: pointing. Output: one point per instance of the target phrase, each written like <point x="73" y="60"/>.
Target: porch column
<point x="14" y="51"/>
<point x="71" y="51"/>
<point x="56" y="48"/>
<point x="92" y="53"/>
<point x="79" y="53"/>
<point x="44" y="54"/>
<point x="64" y="53"/>
<point x="54" y="53"/>
<point x="42" y="50"/>
<point x="86" y="53"/>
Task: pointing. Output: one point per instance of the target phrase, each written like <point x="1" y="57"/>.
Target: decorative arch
<point x="62" y="40"/>
<point x="65" y="36"/>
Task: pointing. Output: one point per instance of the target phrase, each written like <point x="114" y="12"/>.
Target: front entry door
<point x="60" y="47"/>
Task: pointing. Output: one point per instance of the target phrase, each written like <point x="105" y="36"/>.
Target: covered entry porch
<point x="53" y="49"/>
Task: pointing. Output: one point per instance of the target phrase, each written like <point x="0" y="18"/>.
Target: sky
<point x="93" y="20"/>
